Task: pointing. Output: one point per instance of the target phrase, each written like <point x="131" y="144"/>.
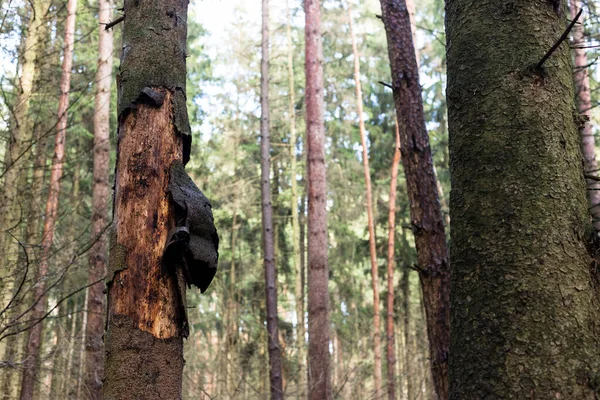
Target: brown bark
<point x="409" y="355"/>
<point x="275" y="375"/>
<point x="147" y="318"/>
<point x="35" y="335"/>
<point x="425" y="210"/>
<point x="369" y="204"/>
<point x="94" y="357"/>
<point x="583" y="98"/>
<point x="318" y="270"/>
<point x="391" y="351"/>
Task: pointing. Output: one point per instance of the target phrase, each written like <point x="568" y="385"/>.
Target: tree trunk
<point x="318" y="270"/>
<point x="299" y="281"/>
<point x="35" y="336"/>
<point x="85" y="319"/>
<point x="370" y="222"/>
<point x="426" y="214"/>
<point x="94" y="357"/>
<point x="408" y="336"/>
<point x="147" y="318"/>
<point x="391" y="351"/>
<point x="524" y="306"/>
<point x="14" y="175"/>
<point x="583" y="98"/>
<point x="275" y="376"/>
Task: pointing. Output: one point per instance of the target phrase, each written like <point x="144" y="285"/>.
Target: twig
<point x="115" y="22"/>
<point x="386" y="85"/>
<point x="561" y="39"/>
<point x="592" y="177"/>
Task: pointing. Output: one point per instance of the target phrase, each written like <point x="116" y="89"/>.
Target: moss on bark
<point x="524" y="307"/>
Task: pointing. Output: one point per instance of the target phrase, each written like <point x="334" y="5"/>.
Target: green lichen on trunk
<point x="524" y="305"/>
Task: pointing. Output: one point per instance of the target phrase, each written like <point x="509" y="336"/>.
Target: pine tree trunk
<point x="391" y="264"/>
<point x="275" y="376"/>
<point x="147" y="319"/>
<point x="426" y="215"/>
<point x="35" y="336"/>
<point x="369" y="204"/>
<point x="318" y="270"/>
<point x="85" y="318"/>
<point x="94" y="355"/>
<point x="409" y="354"/>
<point x="583" y="98"/>
<point x="524" y="302"/>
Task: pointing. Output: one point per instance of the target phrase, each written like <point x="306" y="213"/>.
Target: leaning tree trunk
<point x="94" y="357"/>
<point x="149" y="265"/>
<point x="426" y="214"/>
<point x="275" y="376"/>
<point x="318" y="271"/>
<point x="524" y="299"/>
<point x="391" y="264"/>
<point x="370" y="218"/>
<point x="32" y="352"/>
<point x="584" y="104"/>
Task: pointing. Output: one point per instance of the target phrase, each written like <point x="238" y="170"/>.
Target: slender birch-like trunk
<point x="35" y="336"/>
<point x="275" y="374"/>
<point x="94" y="356"/>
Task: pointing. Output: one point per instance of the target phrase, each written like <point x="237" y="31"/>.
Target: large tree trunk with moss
<point x="94" y="357"/>
<point x="583" y="96"/>
<point x="524" y="299"/>
<point x="318" y="270"/>
<point x="275" y="374"/>
<point x="426" y="214"/>
<point x="157" y="210"/>
<point x="34" y="343"/>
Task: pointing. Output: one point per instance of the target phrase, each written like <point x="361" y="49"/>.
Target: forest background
<point x="226" y="352"/>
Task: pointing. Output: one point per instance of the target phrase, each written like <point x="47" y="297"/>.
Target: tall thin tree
<point x="34" y="343"/>
<point x="369" y="204"/>
<point x="275" y="373"/>
<point x="94" y="357"/>
<point x="426" y="215"/>
<point x="524" y="300"/>
<point x="163" y="232"/>
<point x="318" y="269"/>
<point x="391" y="264"/>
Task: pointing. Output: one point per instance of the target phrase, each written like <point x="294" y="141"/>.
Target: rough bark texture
<point x="584" y="105"/>
<point x="94" y="357"/>
<point x="426" y="215"/>
<point x="146" y="293"/>
<point x="318" y="270"/>
<point x="32" y="352"/>
<point x="370" y="219"/>
<point x="275" y="375"/>
<point x="524" y="303"/>
<point x="390" y="348"/>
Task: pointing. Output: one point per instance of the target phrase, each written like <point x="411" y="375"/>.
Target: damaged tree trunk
<point x="163" y="236"/>
<point x="425" y="211"/>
